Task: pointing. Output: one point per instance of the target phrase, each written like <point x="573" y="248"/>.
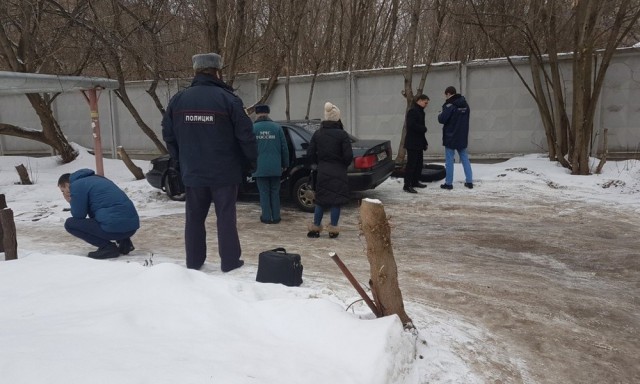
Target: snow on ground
<point x="69" y="319"/>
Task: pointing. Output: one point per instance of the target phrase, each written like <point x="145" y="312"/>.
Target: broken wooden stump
<point x="8" y="242"/>
<point x="24" y="175"/>
<point x="3" y="205"/>
<point x="384" y="271"/>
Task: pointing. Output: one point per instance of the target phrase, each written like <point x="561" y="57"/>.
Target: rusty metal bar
<point x="355" y="284"/>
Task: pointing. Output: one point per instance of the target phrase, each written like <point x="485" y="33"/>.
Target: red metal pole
<point x="92" y="96"/>
<point x="376" y="311"/>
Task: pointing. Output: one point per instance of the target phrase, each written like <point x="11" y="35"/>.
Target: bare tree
<point x="33" y="40"/>
<point x="597" y="28"/>
<point x="432" y="45"/>
<point x="213" y="26"/>
<point x="116" y="44"/>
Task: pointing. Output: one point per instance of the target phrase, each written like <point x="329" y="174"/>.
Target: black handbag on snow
<point x="278" y="266"/>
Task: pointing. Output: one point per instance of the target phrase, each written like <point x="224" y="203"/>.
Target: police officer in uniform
<point x="210" y="135"/>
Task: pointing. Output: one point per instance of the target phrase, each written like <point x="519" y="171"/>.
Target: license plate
<point x="382" y="156"/>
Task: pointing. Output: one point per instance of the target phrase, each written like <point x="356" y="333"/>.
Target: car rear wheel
<point x="432" y="172"/>
<point x="302" y="194"/>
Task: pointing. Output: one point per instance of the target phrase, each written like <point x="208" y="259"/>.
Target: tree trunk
<point x="124" y="97"/>
<point x="236" y="42"/>
<point x="384" y="272"/>
<point x="212" y="26"/>
<point x="3" y="205"/>
<point x="605" y="152"/>
<point x="137" y="172"/>
<point x="313" y="84"/>
<point x="51" y="132"/>
<point x="9" y="242"/>
<point x="24" y="175"/>
<point x="392" y="33"/>
<point x="408" y="73"/>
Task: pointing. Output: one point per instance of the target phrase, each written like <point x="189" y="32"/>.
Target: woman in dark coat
<point x="330" y="150"/>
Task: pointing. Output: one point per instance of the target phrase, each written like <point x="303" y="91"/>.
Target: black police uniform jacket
<point x="207" y="130"/>
<point x="330" y="148"/>
<point x="416" y="129"/>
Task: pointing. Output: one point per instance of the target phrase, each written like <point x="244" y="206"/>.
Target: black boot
<point x="314" y="231"/>
<point x="107" y="252"/>
<point x="125" y="246"/>
<point x="409" y="189"/>
<point x="226" y="269"/>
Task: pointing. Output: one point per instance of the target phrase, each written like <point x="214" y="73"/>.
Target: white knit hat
<point x="331" y="112"/>
<point x="207" y="60"/>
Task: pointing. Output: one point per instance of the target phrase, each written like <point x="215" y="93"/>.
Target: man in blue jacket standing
<point x="100" y="212"/>
<point x="455" y="135"/>
<point x="211" y="137"/>
<point x="273" y="159"/>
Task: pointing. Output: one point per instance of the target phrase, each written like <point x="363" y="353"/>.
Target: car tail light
<point x="363" y="162"/>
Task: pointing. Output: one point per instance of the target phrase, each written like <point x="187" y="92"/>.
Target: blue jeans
<point x="319" y="212"/>
<point x="449" y="155"/>
<point x="269" y="188"/>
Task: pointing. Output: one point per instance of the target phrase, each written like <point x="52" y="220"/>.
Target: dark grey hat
<point x="207" y="60"/>
<point x="262" y="108"/>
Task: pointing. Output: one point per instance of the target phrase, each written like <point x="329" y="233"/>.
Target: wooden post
<point x="24" y="175"/>
<point x="3" y="205"/>
<point x="8" y="234"/>
<point x="384" y="271"/>
<point x="137" y="172"/>
<point x="92" y="96"/>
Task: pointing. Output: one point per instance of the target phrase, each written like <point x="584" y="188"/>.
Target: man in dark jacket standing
<point x="415" y="142"/>
<point x="455" y="135"/>
<point x="210" y="135"/>
<point x="273" y="159"/>
<point x="100" y="212"/>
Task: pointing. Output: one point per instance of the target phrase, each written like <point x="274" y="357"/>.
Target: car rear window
<point x="313" y="125"/>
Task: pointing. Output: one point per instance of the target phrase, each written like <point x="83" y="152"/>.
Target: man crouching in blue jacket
<point x="111" y="215"/>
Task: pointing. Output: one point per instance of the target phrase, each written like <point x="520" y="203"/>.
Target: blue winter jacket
<point x="455" y="117"/>
<point x="100" y="199"/>
<point x="273" y="154"/>
<point x="207" y="130"/>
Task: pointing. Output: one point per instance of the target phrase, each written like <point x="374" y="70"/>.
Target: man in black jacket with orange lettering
<point x="211" y="137"/>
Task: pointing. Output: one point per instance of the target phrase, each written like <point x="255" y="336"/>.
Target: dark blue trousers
<point x="198" y="202"/>
<point x="89" y="230"/>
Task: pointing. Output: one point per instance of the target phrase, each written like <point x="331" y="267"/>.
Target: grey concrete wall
<point x="504" y="117"/>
